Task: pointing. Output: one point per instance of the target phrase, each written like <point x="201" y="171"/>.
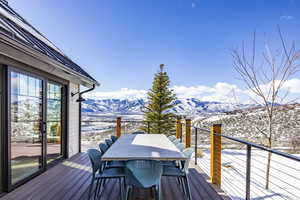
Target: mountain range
<point x="188" y="106"/>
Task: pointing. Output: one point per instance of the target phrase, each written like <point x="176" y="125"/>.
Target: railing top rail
<point x="296" y="158"/>
<point x="113" y="121"/>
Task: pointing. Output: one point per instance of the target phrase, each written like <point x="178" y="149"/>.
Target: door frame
<point x="6" y="133"/>
<point x="63" y="146"/>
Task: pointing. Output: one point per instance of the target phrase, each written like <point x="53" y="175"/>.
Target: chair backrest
<point x="180" y="146"/>
<point x="103" y="147"/>
<point x="172" y="137"/>
<point x="188" y="152"/>
<point x="95" y="158"/>
<point x="109" y="142"/>
<point x="176" y="141"/>
<point x="138" y="132"/>
<point x="114" y="138"/>
<point x="143" y="173"/>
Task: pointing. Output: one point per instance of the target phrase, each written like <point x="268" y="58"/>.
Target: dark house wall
<point x="1" y="128"/>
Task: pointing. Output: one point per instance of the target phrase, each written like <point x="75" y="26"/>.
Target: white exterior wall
<point x="73" y="137"/>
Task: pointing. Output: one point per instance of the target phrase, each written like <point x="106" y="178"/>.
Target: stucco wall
<point x="73" y="120"/>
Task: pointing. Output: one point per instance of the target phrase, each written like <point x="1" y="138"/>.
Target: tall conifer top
<point x="160" y="103"/>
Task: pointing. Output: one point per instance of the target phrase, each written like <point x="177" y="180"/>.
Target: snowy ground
<point x="284" y="175"/>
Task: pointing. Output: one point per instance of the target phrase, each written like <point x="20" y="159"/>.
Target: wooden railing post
<point x="118" y="127"/>
<point x="188" y="123"/>
<point x="215" y="154"/>
<point x="178" y="128"/>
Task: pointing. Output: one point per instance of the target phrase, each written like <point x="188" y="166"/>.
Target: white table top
<point x="143" y="147"/>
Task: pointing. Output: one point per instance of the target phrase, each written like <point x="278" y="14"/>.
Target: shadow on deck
<point x="71" y="178"/>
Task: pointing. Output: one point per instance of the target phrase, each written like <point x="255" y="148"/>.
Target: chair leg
<point x="156" y="192"/>
<point x="127" y="192"/>
<point x="188" y="187"/>
<point x="152" y="192"/>
<point x="121" y="189"/>
<point x="159" y="192"/>
<point x="183" y="187"/>
<point x="91" y="186"/>
<point x="96" y="189"/>
<point x="178" y="180"/>
<point x="100" y="186"/>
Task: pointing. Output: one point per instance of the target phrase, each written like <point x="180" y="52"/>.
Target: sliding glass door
<point x="36" y="124"/>
<point x="54" y="121"/>
<point x="26" y="117"/>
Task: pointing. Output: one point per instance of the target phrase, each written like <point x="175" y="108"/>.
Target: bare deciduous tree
<point x="265" y="80"/>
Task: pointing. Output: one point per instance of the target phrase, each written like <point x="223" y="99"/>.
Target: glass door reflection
<point x="26" y="116"/>
<point x="54" y="123"/>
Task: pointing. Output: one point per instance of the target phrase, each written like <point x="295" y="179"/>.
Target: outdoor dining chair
<point x="114" y="138"/>
<point x="176" y="141"/>
<point x="138" y="132"/>
<point x="109" y="142"/>
<point x="100" y="174"/>
<point x="110" y="164"/>
<point x="180" y="146"/>
<point x="143" y="174"/>
<point x="103" y="147"/>
<point x="172" y="138"/>
<point x="182" y="172"/>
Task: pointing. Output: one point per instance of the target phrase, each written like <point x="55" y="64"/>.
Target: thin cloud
<point x="220" y="92"/>
<point x="193" y="5"/>
<point x="287" y="17"/>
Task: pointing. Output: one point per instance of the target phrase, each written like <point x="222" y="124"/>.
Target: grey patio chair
<point x="172" y="137"/>
<point x="109" y="142"/>
<point x="143" y="174"/>
<point x="138" y="132"/>
<point x="103" y="147"/>
<point x="180" y="146"/>
<point x="176" y="141"/>
<point x="182" y="172"/>
<point x="110" y="164"/>
<point x="114" y="138"/>
<point x="100" y="174"/>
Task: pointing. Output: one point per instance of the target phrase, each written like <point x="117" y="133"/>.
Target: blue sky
<point x="122" y="42"/>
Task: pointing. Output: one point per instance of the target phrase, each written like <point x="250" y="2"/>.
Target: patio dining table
<point x="143" y="147"/>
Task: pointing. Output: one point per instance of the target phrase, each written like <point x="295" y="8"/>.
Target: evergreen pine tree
<point x="160" y="101"/>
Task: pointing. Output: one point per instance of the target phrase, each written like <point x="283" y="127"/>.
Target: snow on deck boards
<point x="284" y="175"/>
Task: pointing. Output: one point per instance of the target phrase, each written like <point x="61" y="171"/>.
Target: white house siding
<point x="73" y="120"/>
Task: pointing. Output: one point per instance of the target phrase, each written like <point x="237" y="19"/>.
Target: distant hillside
<point x="189" y="106"/>
<point x="248" y="123"/>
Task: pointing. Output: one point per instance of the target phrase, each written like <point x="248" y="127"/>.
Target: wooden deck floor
<point x="70" y="180"/>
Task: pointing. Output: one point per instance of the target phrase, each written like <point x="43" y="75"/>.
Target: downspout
<point x="80" y="100"/>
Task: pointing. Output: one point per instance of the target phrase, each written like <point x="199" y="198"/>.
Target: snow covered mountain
<point x="189" y="106"/>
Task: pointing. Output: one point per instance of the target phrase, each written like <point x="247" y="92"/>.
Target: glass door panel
<point x="26" y="112"/>
<point x="54" y="124"/>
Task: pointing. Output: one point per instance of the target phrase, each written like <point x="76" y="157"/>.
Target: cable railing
<point x="239" y="167"/>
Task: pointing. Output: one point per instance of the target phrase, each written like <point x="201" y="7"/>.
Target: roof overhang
<point x="16" y="50"/>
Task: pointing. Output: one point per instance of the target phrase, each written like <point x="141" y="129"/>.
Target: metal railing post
<point x="215" y="154"/>
<point x="196" y="145"/>
<point x="148" y="124"/>
<point x="118" y="127"/>
<point x="248" y="172"/>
